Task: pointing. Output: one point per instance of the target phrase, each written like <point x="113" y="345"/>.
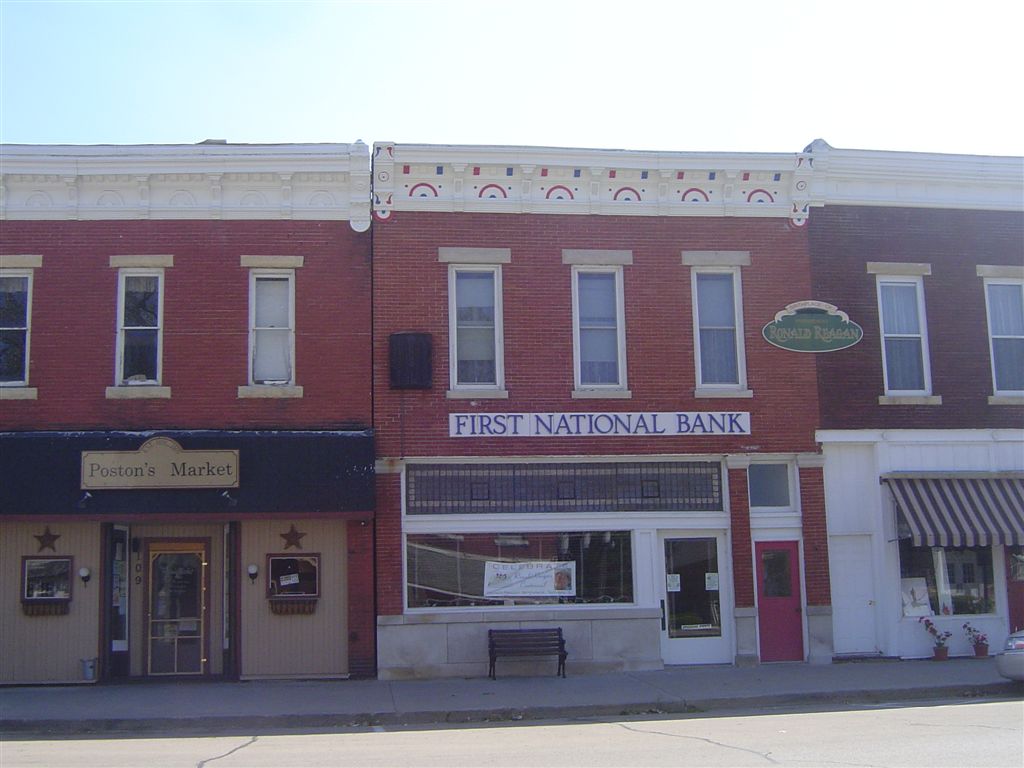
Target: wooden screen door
<point x="176" y="609"/>
<point x="779" y="615"/>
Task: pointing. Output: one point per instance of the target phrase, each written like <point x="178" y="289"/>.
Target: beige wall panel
<point x="297" y="645"/>
<point x="214" y="596"/>
<point x="35" y="649"/>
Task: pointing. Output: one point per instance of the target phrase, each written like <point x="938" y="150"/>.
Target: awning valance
<point x="965" y="511"/>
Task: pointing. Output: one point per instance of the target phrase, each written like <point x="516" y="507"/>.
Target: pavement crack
<point x="203" y="763"/>
<point x="763" y="755"/>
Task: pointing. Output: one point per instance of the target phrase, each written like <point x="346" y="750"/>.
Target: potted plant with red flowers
<point x="940" y="651"/>
<point x="978" y="639"/>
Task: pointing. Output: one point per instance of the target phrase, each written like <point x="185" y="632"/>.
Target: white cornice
<point x="422" y="177"/>
<point x="202" y="181"/>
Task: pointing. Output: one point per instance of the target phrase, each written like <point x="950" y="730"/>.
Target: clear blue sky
<point x="732" y="75"/>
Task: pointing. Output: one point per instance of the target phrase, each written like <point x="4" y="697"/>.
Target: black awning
<point x="964" y="511"/>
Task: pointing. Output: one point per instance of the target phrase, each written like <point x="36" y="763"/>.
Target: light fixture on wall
<point x="84" y="500"/>
<point x="84" y="574"/>
<point x="253" y="570"/>
<point x="231" y="500"/>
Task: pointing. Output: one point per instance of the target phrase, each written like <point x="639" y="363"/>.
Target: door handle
<point x="662" y="615"/>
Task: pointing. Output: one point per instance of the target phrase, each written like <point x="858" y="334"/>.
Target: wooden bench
<point x="527" y="642"/>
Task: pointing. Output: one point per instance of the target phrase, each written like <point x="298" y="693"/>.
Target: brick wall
<point x="205" y="339"/>
<point x="812" y="503"/>
<point x="842" y="241"/>
<point x="739" y="513"/>
<point x="362" y="618"/>
<point x="410" y="294"/>
<point x="389" y="545"/>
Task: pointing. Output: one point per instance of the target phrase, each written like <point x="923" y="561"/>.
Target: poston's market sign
<point x="598" y="424"/>
<point x="160" y="462"/>
<point x="812" y="326"/>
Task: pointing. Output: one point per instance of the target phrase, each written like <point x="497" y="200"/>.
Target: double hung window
<point x="718" y="322"/>
<point x="140" y="327"/>
<point x="272" y="328"/>
<point x="600" y="339"/>
<point x="475" y="332"/>
<point x="1004" y="300"/>
<point x="770" y="486"/>
<point x="15" y="314"/>
<point x="904" y="339"/>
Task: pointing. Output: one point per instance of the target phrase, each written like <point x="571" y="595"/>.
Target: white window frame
<point x="256" y="275"/>
<point x="922" y="321"/>
<point x="791" y="478"/>
<point x="122" y="279"/>
<point x="739" y="388"/>
<point x="582" y="389"/>
<point x="472" y="389"/>
<point x="25" y="274"/>
<point x="1019" y="283"/>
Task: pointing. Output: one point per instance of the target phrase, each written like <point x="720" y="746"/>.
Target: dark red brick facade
<point x="205" y="337"/>
<point x="843" y="239"/>
<point x="410" y="294"/>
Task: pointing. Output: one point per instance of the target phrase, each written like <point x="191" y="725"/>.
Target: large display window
<point x="946" y="581"/>
<point x="452" y="570"/>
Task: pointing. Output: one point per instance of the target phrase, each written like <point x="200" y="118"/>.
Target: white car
<point x="1010" y="663"/>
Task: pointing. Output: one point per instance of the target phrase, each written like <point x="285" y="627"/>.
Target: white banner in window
<point x="530" y="579"/>
<point x="599" y="424"/>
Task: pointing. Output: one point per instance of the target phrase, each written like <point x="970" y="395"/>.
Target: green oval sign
<point x="812" y="326"/>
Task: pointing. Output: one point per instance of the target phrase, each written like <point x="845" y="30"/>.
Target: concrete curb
<point x="182" y="726"/>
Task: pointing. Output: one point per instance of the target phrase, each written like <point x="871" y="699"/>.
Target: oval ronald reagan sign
<point x="812" y="326"/>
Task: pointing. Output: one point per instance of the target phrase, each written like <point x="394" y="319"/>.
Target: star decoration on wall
<point x="292" y="538"/>
<point x="47" y="540"/>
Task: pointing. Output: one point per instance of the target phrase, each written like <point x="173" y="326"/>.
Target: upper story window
<point x="475" y="332"/>
<point x="718" y="322"/>
<point x="272" y="327"/>
<point x="15" y="318"/>
<point x="598" y="322"/>
<point x="904" y="336"/>
<point x="1004" y="301"/>
<point x="140" y="327"/>
<point x="906" y="369"/>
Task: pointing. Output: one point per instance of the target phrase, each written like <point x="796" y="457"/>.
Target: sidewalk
<point x="205" y="707"/>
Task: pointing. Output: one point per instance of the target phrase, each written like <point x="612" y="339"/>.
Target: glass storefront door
<point x="696" y="595"/>
<point x="176" y="609"/>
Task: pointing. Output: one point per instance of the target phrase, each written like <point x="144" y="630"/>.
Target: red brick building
<point x="922" y="423"/>
<point x="579" y="421"/>
<point x="185" y="412"/>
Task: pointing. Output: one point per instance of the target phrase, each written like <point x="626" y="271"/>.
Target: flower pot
<point x="981" y="650"/>
<point x="940" y="653"/>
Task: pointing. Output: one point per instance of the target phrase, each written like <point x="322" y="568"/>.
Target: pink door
<point x="1015" y="586"/>
<point x="779" y="617"/>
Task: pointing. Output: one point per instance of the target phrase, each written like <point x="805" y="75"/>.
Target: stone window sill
<point x="1006" y="400"/>
<point x="19" y="393"/>
<point x="477" y="394"/>
<point x="910" y="400"/>
<point x="140" y="392"/>
<point x="703" y="392"/>
<point x="601" y="394"/>
<point x="270" y="391"/>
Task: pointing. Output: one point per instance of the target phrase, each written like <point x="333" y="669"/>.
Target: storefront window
<point x="946" y="580"/>
<point x="474" y="569"/>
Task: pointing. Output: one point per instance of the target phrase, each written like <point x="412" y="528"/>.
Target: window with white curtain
<point x="139" y="327"/>
<point x="599" y="328"/>
<point x="272" y="327"/>
<point x="904" y="336"/>
<point x="475" y="327"/>
<point x="720" y="360"/>
<point x="1005" y="303"/>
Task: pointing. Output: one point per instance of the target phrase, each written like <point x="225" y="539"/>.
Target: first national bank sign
<point x="599" y="424"/>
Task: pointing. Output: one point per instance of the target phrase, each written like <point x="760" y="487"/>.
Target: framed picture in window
<point x="45" y="580"/>
<point x="293" y="576"/>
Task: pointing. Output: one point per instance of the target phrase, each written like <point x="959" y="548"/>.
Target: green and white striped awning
<point x="960" y="510"/>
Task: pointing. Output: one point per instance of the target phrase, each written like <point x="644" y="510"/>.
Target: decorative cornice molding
<point x="203" y="181"/>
